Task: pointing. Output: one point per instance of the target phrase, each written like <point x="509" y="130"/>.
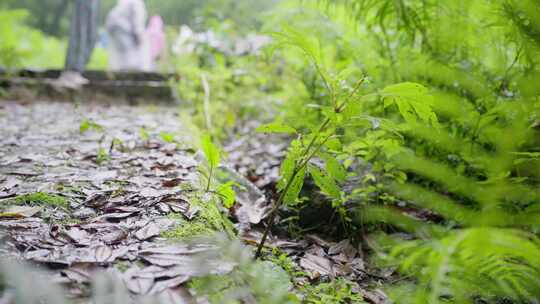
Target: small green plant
<point x="143" y="134"/>
<point x="117" y="143"/>
<point x="166" y="137"/>
<point x="323" y="141"/>
<point x="213" y="155"/>
<point x="338" y="291"/>
<point x="207" y="221"/>
<point x="102" y="156"/>
<point x="88" y="124"/>
<point x="227" y="194"/>
<point x="282" y="260"/>
<point x="301" y="151"/>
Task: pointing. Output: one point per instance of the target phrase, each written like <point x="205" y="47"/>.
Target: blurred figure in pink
<point x="156" y="38"/>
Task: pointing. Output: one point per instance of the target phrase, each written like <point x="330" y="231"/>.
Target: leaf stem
<point x="209" y="178"/>
<point x="298" y="167"/>
<point x="306" y="156"/>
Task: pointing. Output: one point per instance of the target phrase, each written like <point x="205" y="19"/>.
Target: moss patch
<point x="339" y="291"/>
<point x="206" y="222"/>
<point x="40" y="198"/>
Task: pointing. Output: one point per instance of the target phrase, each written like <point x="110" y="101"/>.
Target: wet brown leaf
<point x="178" y="295"/>
<point x="77" y="235"/>
<point x="345" y="248"/>
<point x="160" y="286"/>
<point x="252" y="212"/>
<point x="78" y="273"/>
<point x="20" y="212"/>
<point x="104" y="175"/>
<point x="103" y="253"/>
<point x="138" y="285"/>
<point x="169" y="183"/>
<point x="148" y="231"/>
<point x="111" y="235"/>
<point x="9" y="184"/>
<point x="112" y="216"/>
<point x="317" y="265"/>
<point x="376" y="297"/>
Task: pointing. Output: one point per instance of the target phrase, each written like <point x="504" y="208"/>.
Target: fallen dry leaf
<point x="179" y="295"/>
<point x="17" y="212"/>
<point x="148" y="231"/>
<point x="317" y="266"/>
<point x="103" y="253"/>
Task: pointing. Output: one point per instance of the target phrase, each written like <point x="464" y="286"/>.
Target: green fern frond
<point x="485" y="262"/>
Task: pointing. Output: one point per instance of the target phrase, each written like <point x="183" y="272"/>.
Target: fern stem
<point x="272" y="215"/>
<point x="209" y="178"/>
<point x="306" y="156"/>
<point x="296" y="170"/>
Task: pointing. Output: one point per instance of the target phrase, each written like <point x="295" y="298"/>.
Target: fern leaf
<point x="326" y="183"/>
<point x="412" y="100"/>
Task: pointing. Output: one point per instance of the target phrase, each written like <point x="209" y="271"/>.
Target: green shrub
<point x="466" y="150"/>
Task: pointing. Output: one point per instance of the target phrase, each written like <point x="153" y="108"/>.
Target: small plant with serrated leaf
<point x="88" y="124"/>
<point x="213" y="159"/>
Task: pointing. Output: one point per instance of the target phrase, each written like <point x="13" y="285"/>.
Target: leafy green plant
<point x="467" y="166"/>
<point x="293" y="168"/>
<point x="323" y="140"/>
<point x="213" y="156"/>
<point x="88" y="124"/>
<point x="143" y="134"/>
<point x="226" y="192"/>
<point x="337" y="291"/>
<point x="208" y="221"/>
<point x="454" y="165"/>
<point x="166" y="137"/>
<point x="21" y="45"/>
<point x="102" y="156"/>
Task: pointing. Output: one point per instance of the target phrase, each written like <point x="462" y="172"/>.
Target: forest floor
<point x="95" y="188"/>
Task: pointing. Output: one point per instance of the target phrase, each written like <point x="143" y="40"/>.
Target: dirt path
<point x="43" y="142"/>
<point x="93" y="187"/>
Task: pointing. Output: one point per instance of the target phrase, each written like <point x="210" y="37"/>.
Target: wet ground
<point x="90" y="186"/>
<point x="95" y="188"/>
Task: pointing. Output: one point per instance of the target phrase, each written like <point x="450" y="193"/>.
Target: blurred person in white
<point x="129" y="48"/>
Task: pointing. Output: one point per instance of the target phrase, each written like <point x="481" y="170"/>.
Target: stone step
<point x="138" y="87"/>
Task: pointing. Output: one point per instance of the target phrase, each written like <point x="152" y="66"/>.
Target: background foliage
<point x="435" y="162"/>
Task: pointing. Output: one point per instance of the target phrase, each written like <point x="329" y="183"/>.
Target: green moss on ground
<point x="339" y="291"/>
<point x="207" y="221"/>
<point x="40" y="198"/>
